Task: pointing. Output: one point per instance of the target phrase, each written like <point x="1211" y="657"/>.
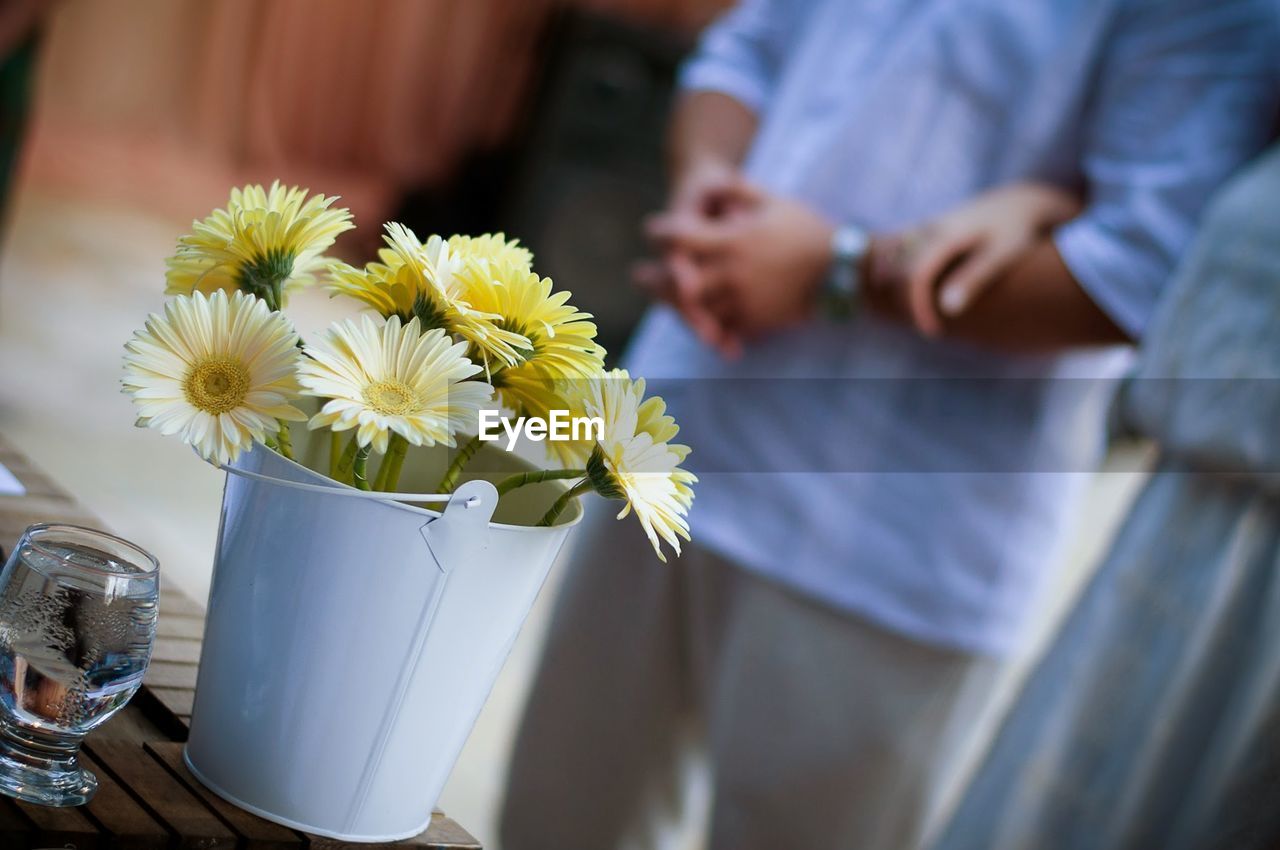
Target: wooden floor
<point x="147" y="798"/>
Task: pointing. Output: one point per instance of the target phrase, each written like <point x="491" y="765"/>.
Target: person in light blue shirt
<point x="1153" y="718"/>
<point x="880" y="497"/>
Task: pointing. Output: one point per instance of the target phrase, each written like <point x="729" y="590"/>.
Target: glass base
<point x="64" y="788"/>
<point x="49" y="775"/>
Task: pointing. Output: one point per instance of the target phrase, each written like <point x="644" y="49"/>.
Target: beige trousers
<point x="822" y="730"/>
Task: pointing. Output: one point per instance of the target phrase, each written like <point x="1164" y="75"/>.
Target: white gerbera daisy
<point x="218" y="371"/>
<point x="382" y="377"/>
<point x="635" y="460"/>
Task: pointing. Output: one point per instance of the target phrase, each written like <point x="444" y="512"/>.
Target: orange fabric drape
<point x="400" y="87"/>
<point x="168" y="102"/>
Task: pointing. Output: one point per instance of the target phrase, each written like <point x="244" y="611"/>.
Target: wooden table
<point x="146" y="797"/>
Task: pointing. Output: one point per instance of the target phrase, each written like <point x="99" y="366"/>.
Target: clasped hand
<point x="739" y="262"/>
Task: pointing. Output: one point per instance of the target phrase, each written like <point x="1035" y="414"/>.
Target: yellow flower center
<point x="217" y="385"/>
<point x="391" y="398"/>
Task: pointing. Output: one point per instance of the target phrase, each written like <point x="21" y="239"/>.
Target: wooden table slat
<point x="442" y="834"/>
<point x="173" y="727"/>
<point x="121" y="816"/>
<point x="58" y="825"/>
<point x="163" y="796"/>
<point x="170" y="674"/>
<point x="180" y="650"/>
<point x="260" y="833"/>
<point x="173" y="625"/>
<point x="176" y="603"/>
<point x="178" y="700"/>
<point x="445" y="832"/>
<point x="15" y="830"/>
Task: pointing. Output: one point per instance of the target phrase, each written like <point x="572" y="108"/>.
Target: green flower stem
<point x="392" y="461"/>
<point x="346" y="461"/>
<point x="269" y="293"/>
<point x="358" y="468"/>
<point x="506" y="485"/>
<point x="335" y="453"/>
<point x="380" y="480"/>
<point x="451" y="475"/>
<point x="553" y="513"/>
<point x="399" y="448"/>
<point x="285" y="439"/>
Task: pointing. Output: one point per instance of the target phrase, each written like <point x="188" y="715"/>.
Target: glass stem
<point x="520" y="479"/>
<point x="553" y="513"/>
<point x="451" y="475"/>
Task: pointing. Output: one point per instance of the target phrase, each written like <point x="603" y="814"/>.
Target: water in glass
<point x="77" y="623"/>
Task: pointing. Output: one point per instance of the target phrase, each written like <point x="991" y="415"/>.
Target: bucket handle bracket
<point x="463" y="524"/>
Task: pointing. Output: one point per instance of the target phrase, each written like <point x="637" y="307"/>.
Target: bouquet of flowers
<point x="455" y="328"/>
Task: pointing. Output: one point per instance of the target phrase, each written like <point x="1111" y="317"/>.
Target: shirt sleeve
<point x="739" y="55"/>
<point x="1187" y="92"/>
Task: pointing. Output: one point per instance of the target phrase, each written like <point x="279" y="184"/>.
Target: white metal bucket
<point x="351" y="642"/>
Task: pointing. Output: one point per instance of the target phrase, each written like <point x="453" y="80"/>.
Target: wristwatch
<point x="839" y="295"/>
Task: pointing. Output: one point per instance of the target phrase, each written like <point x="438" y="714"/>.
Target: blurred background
<point x="122" y="120"/>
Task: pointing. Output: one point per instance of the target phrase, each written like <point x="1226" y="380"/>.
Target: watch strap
<point x="840" y="290"/>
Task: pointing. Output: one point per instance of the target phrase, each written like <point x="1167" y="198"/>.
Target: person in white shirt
<point x="880" y="497"/>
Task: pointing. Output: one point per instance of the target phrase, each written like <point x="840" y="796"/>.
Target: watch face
<point x="849" y="243"/>
<point x="840" y="289"/>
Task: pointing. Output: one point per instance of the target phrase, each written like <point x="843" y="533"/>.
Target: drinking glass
<point x="77" y="623"/>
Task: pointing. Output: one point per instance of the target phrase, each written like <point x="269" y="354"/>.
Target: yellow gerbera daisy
<point x="562" y="347"/>
<point x="561" y="339"/>
<point x="416" y="280"/>
<point x="492" y="247"/>
<point x="525" y="391"/>
<point x="635" y="460"/>
<point x="217" y="371"/>
<point x="266" y="242"/>
<point x="382" y="377"/>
